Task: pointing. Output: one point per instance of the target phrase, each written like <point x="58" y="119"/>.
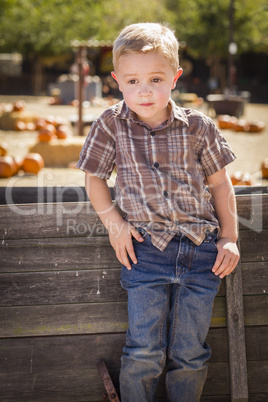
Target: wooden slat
<point x="74" y="219"/>
<point x="66" y="319"/>
<point x="63" y="319"/>
<point x="61" y="287"/>
<point x="57" y="254"/>
<point x="89" y="286"/>
<point x="28" y="221"/>
<point x="255" y="278"/>
<point x="52" y="365"/>
<point x="253" y="211"/>
<point x="253" y="245"/>
<point x="49" y="220"/>
<point x="255" y="310"/>
<point x="236" y="336"/>
<point x="61" y="368"/>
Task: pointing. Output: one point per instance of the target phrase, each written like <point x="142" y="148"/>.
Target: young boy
<point x="177" y="239"/>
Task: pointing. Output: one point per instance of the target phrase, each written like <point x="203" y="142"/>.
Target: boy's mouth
<point x="146" y="104"/>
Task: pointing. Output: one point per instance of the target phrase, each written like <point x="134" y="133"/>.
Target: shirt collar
<point x="123" y="112"/>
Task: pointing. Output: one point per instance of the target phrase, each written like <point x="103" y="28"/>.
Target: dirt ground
<point x="250" y="149"/>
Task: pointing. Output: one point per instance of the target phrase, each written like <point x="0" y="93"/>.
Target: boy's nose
<point x="144" y="90"/>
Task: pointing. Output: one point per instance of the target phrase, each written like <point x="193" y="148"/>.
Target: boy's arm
<point x="120" y="231"/>
<point x="222" y="191"/>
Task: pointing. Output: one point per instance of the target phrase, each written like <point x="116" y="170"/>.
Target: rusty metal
<point x="107" y="382"/>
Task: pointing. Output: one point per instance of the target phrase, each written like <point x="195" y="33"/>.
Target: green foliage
<point x="47" y="27"/>
<point x="204" y="25"/>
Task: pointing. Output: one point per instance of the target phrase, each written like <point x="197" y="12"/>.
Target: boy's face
<point x="146" y="81"/>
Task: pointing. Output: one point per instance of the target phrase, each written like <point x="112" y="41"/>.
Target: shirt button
<point x="165" y="193"/>
<point x="156" y="165"/>
<point x="152" y="133"/>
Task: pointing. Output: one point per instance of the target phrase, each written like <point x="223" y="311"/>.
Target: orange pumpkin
<point x="51" y="120"/>
<point x="18" y="160"/>
<point x="256" y="126"/>
<point x="241" y="125"/>
<point x="226" y="121"/>
<point x="30" y="126"/>
<point x="3" y="149"/>
<point x="63" y="132"/>
<point x="47" y="133"/>
<point x="40" y="124"/>
<point x="20" y="125"/>
<point x="18" y="106"/>
<point x="241" y="179"/>
<point x="7" y="166"/>
<point x="33" y="163"/>
<point x="264" y="169"/>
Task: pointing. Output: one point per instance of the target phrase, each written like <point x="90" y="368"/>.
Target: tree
<point x="37" y="28"/>
<point x="204" y="26"/>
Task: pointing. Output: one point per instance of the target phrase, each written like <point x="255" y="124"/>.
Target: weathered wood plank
<point x="57" y="254"/>
<point x="91" y="285"/>
<point x="252" y="211"/>
<point x="79" y="219"/>
<point x="253" y="245"/>
<point x="61" y="287"/>
<point x="29" y="221"/>
<point x="49" y="220"/>
<point x="64" y="368"/>
<point x="254" y="278"/>
<point x="63" y="319"/>
<point x="236" y="336"/>
<point x="67" y="319"/>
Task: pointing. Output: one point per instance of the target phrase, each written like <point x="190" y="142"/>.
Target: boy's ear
<point x="177" y="76"/>
<point x="114" y="76"/>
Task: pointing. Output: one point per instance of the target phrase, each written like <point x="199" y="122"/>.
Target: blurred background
<point x="56" y="57"/>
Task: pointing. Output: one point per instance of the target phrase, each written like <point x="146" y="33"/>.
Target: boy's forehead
<point x="132" y="61"/>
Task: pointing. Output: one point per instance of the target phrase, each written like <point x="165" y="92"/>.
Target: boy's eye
<point x="156" y="80"/>
<point x="132" y="81"/>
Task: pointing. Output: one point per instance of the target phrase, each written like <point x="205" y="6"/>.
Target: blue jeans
<point x="170" y="300"/>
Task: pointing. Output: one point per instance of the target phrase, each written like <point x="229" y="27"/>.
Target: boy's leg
<point x="190" y="316"/>
<point x="148" y="308"/>
<point x="145" y="350"/>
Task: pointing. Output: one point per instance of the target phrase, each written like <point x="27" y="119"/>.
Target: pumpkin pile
<point x="240" y="125"/>
<point x="52" y="128"/>
<point x="10" y="166"/>
<point x="14" y="117"/>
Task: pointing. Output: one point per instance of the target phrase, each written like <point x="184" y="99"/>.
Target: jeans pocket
<point x="211" y="239"/>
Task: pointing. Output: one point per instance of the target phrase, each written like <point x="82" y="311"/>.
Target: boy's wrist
<point x="232" y="238"/>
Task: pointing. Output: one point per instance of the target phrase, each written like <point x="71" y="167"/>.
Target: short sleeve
<point x="98" y="153"/>
<point x="216" y="152"/>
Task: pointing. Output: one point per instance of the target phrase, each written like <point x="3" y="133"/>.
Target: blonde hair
<point x="146" y="37"/>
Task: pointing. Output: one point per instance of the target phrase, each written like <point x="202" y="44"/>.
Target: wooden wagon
<point x="62" y="309"/>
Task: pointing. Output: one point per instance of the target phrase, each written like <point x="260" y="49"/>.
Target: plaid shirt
<point x="161" y="173"/>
